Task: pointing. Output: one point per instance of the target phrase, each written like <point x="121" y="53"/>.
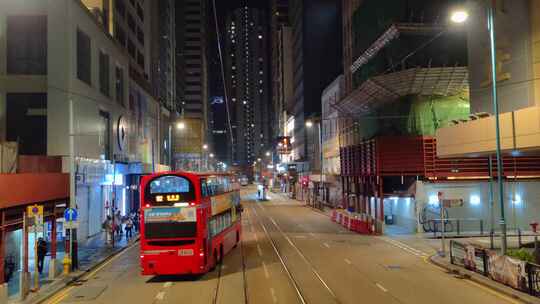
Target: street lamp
<point x="211" y="155"/>
<point x="460" y="16"/>
<point x="205" y="147"/>
<point x="181" y="125"/>
<point x="309" y="124"/>
<point x="268" y="153"/>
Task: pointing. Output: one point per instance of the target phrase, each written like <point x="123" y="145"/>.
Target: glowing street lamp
<point x="205" y="147"/>
<point x="309" y="123"/>
<point x="211" y="155"/>
<point x="459" y="16"/>
<point x="181" y="125"/>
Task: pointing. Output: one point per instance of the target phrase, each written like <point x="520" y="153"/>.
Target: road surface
<point x="289" y="254"/>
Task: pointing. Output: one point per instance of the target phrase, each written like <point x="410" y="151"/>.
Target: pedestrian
<point x="136" y="220"/>
<point x="41" y="253"/>
<point x="118" y="223"/>
<point x="129" y="227"/>
<point x="107" y="226"/>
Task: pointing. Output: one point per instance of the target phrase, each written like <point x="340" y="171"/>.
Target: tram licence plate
<point x="185" y="252"/>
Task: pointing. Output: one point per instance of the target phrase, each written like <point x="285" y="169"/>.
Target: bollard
<point x="481" y="227"/>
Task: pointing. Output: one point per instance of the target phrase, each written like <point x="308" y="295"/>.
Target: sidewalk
<point x="444" y="262"/>
<point x="91" y="254"/>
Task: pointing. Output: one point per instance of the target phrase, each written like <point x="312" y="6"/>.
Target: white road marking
<point x="167" y="285"/>
<point x="259" y="250"/>
<point x="348" y="261"/>
<point x="312" y="234"/>
<point x="381" y="287"/>
<point x="326" y="245"/>
<point x="255" y="236"/>
<point x="405" y="247"/>
<point x="272" y="219"/>
<point x="273" y="292"/>
<point x="160" y="295"/>
<point x="300" y="237"/>
<point x="266" y="273"/>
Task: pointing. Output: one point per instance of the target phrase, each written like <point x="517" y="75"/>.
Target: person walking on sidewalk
<point x="41" y="253"/>
<point x="129" y="227"/>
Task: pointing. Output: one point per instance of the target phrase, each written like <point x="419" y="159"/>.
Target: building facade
<point x="247" y="78"/>
<point x="313" y="38"/>
<point x="330" y="141"/>
<point x="191" y="78"/>
<point x="281" y="70"/>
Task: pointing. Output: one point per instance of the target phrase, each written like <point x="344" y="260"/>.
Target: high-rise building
<point x="163" y="53"/>
<point x="281" y="63"/>
<point x="191" y="81"/>
<point x="191" y="53"/>
<point x="316" y="34"/>
<point x="247" y="80"/>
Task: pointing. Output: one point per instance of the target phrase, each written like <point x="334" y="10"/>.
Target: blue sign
<point x="70" y="215"/>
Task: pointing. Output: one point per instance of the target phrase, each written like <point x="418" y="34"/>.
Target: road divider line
<point x="348" y="261"/>
<point x="405" y="247"/>
<point x="266" y="273"/>
<point x="273" y="293"/>
<point x="326" y="245"/>
<point x="160" y="296"/>
<point x="381" y="287"/>
<point x="255" y="236"/>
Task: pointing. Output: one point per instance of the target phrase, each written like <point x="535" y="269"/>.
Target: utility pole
<point x="493" y="48"/>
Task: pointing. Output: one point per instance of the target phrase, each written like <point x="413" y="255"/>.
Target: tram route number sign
<point x="34" y="214"/>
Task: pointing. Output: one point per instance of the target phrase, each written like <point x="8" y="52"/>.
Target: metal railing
<point x="455" y="226"/>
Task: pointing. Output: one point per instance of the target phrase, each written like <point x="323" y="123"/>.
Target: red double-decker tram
<point x="189" y="221"/>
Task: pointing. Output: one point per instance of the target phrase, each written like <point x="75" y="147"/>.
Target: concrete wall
<point x="522" y="201"/>
<point x="87" y="99"/>
<point x="19" y="83"/>
<point x="403" y="210"/>
<point x="514" y="60"/>
<point x="520" y="130"/>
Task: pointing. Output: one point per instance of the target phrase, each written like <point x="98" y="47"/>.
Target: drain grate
<point x="394" y="267"/>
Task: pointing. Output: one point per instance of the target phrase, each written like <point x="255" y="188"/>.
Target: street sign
<point x="70" y="215"/>
<point x="34" y="210"/>
<point x="451" y="203"/>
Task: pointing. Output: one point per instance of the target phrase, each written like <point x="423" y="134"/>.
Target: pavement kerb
<point x="484" y="281"/>
<point x="64" y="281"/>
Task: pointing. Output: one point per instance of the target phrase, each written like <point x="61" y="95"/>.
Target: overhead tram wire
<point x="222" y="65"/>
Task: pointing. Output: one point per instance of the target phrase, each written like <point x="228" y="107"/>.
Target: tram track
<point x="294" y="280"/>
<point x="219" y="270"/>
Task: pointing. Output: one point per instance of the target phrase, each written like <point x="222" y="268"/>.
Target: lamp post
<point x="460" y="17"/>
<point x="309" y="124"/>
<point x="205" y="149"/>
